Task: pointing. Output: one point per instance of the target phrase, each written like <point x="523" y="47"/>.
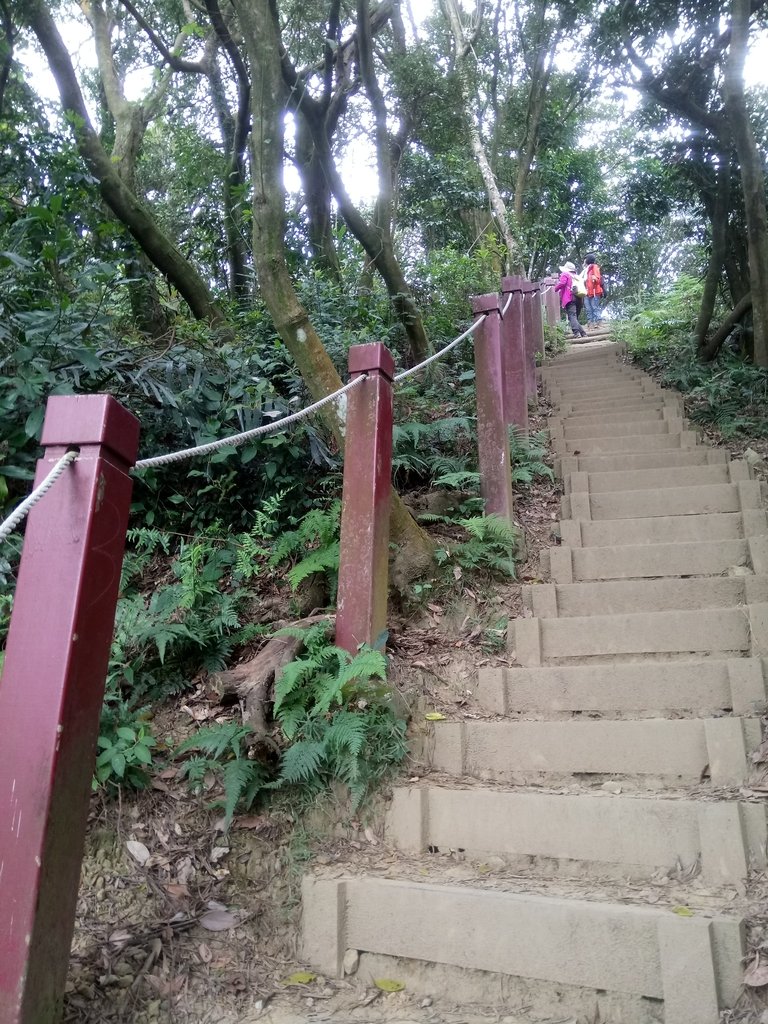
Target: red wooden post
<point x="537" y="324"/>
<point x="361" y="610"/>
<point x="492" y="436"/>
<point x="51" y="694"/>
<point x="530" y="342"/>
<point x="513" y="357"/>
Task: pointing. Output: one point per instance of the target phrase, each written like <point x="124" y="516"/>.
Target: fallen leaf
<point x="176" y="891"/>
<point x="682" y="911"/>
<point x="120" y="938"/>
<point x="299" y="978"/>
<point x="217" y="853"/>
<point x="434" y="716"/>
<point x="756" y="975"/>
<point x="388" y="985"/>
<point x="218" y="921"/>
<point x="435" y="608"/>
<point x="138" y="851"/>
<point x="368" y="833"/>
<point x="204" y="952"/>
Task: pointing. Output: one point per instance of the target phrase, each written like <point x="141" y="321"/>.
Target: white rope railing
<point x="438" y="355"/>
<point x="247" y="435"/>
<point x="23" y="509"/>
<point x="507" y="304"/>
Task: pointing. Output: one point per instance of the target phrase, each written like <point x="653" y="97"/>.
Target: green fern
<point x="316" y="538"/>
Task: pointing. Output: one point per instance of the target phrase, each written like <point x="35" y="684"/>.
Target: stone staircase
<point x="594" y="832"/>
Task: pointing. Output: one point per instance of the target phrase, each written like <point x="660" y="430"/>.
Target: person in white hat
<point x="569" y="300"/>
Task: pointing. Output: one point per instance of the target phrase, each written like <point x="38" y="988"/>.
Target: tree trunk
<point x="452" y="14"/>
<point x="752" y="177"/>
<point x="712" y="346"/>
<point x="317" y="196"/>
<point x="262" y="39"/>
<point x="716" y="256"/>
<point x="120" y="199"/>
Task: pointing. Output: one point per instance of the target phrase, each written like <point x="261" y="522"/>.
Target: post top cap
<point x="373" y="356"/>
<point x="486" y="303"/>
<point x="91" y="420"/>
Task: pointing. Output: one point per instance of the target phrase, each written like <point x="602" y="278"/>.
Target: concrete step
<point x="656" y="560"/>
<point x="699" y="688"/>
<point x="597" y="959"/>
<point x="669" y="501"/>
<point x="609" y="354"/>
<point x="658" y="478"/>
<point x="645" y="414"/>
<point x="639" y="836"/>
<point x="608" y="393"/>
<point x="621" y="597"/>
<point x="618" y="428"/>
<point x="576" y="533"/>
<point x="592" y="406"/>
<point x="556" y="378"/>
<point x="671" y="752"/>
<point x="718" y="631"/>
<point x="633" y="462"/>
<point x="633" y="443"/>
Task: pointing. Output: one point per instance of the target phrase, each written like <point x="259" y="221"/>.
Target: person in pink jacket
<point x="568" y="300"/>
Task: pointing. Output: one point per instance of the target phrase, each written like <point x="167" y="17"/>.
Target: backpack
<point x="594" y="280"/>
<point x="577" y="285"/>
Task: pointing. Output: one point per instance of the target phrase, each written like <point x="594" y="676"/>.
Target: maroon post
<point x="537" y="324"/>
<point x="361" y="609"/>
<point x="530" y="341"/>
<point x="492" y="434"/>
<point x="51" y="693"/>
<point x="515" y="400"/>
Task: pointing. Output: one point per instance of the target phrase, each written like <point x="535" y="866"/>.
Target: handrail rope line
<point x="506" y="306"/>
<point x="237" y="439"/>
<point x="23" y="508"/>
<point x="438" y="355"/>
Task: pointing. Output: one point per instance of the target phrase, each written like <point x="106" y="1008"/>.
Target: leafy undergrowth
<point x="728" y="396"/>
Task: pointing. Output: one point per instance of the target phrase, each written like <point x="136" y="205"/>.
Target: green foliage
<point x="728" y="393"/>
<point x="223" y="752"/>
<point x="125" y="753"/>
<point x="423" y="452"/>
<point x="337" y="713"/>
<point x="316" y="538"/>
<point x="491" y="546"/>
<point x="527" y="455"/>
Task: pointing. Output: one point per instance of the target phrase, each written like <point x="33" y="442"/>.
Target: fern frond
<point x="214" y="740"/>
<point x="318" y="561"/>
<point x="302" y="761"/>
<point x="462" y="478"/>
<point x="239" y="777"/>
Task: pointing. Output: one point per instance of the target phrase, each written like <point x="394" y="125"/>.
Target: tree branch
<point x="177" y="63"/>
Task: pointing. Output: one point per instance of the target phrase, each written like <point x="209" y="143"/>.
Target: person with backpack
<point x="572" y="290"/>
<point x="594" y="284"/>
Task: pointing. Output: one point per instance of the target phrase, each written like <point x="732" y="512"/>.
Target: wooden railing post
<point x="537" y="324"/>
<point x="361" y="612"/>
<point x="530" y="343"/>
<point x="492" y="435"/>
<point x="513" y="365"/>
<point x="51" y="694"/>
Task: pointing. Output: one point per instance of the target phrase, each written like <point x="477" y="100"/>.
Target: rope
<point x="22" y="510"/>
<point x="236" y="439"/>
<point x="506" y="306"/>
<point x="442" y="352"/>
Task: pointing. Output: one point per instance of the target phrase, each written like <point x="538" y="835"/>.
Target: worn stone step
<point x="633" y="443"/>
<point x="606" y="376"/>
<point x="650" y="560"/>
<point x="626" y="427"/>
<point x="607" y="393"/>
<point x="662" y="529"/>
<point x="742" y="630"/>
<point x="658" y="478"/>
<point x="638" y="835"/>
<point x="583" y="954"/>
<point x="609" y="354"/>
<point x="646" y="414"/>
<point x="620" y="597"/>
<point x="679" y="751"/>
<point x="633" y="462"/>
<point x="580" y="406"/>
<point x="703" y="499"/>
<point x="601" y="382"/>
<point x="705" y="686"/>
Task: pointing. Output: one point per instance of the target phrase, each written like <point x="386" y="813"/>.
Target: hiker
<point x="594" y="284"/>
<point x="569" y="299"/>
